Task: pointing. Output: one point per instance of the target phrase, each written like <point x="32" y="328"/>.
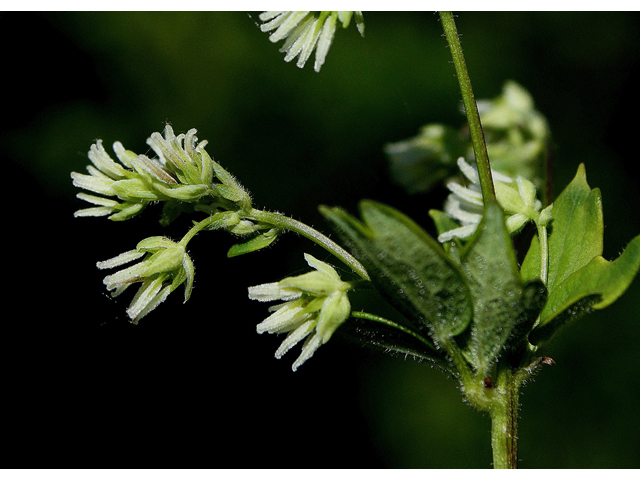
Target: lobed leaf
<point x="579" y="278"/>
<point x="595" y="286"/>
<point x="576" y="235"/>
<point x="407" y="266"/>
<point x="504" y="309"/>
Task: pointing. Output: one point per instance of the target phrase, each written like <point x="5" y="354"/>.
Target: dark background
<point x="194" y="385"/>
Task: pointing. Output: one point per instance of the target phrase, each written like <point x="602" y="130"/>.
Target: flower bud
<point x="315" y="303"/>
<point x="165" y="267"/>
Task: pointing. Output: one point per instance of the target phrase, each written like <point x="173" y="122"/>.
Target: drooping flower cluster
<point x="184" y="178"/>
<point x="165" y="267"/>
<point x="182" y="172"/>
<point x="316" y="304"/>
<point x="304" y="30"/>
<point x="518" y="136"/>
<point x="516" y="197"/>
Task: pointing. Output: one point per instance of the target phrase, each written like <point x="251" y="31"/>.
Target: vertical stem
<point x="504" y="422"/>
<point x="504" y="405"/>
<point x="470" y="107"/>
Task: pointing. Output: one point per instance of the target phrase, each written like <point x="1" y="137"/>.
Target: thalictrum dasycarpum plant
<point x="467" y="304"/>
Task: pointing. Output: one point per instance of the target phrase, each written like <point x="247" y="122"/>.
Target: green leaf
<point x="595" y="286"/>
<point x="580" y="279"/>
<point x="407" y="266"/>
<point x="576" y="233"/>
<point x="503" y="308"/>
<point x="256" y="243"/>
<point x="530" y="268"/>
<point x="534" y="296"/>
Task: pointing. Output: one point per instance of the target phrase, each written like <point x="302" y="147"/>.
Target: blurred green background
<point x="193" y="385"/>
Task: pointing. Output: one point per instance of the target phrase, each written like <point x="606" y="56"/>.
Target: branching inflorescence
<point x="462" y="301"/>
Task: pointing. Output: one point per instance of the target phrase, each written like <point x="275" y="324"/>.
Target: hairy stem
<point x="465" y="375"/>
<point x="504" y="421"/>
<point x="280" y="221"/>
<point x="216" y="220"/>
<point x="397" y="326"/>
<point x="470" y="107"/>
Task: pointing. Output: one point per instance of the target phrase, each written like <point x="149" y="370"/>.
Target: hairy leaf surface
<point x="503" y="307"/>
<point x="407" y="266"/>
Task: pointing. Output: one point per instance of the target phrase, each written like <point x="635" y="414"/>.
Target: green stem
<point x="544" y="253"/>
<point x="397" y="326"/>
<point x="504" y="421"/>
<point x="278" y="220"/>
<point x="217" y="220"/>
<point x="466" y="375"/>
<point x="470" y="107"/>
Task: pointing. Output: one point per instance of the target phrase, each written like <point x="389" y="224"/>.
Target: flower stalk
<point x="283" y="222"/>
<point x="544" y="252"/>
<point x="392" y="324"/>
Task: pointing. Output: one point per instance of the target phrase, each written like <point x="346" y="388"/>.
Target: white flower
<point x="182" y="157"/>
<point x="516" y="197"/>
<point x="183" y="171"/>
<point x="104" y="174"/>
<point x="164" y="269"/>
<point x="316" y="304"/>
<point x="304" y="30"/>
